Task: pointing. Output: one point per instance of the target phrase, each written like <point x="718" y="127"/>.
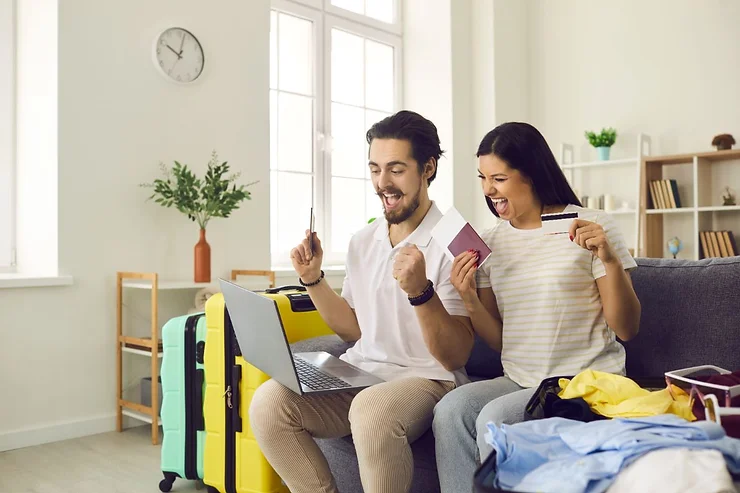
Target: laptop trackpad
<point x="345" y="372"/>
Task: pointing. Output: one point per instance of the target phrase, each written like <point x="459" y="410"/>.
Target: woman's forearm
<point x="622" y="309"/>
<point x="488" y="327"/>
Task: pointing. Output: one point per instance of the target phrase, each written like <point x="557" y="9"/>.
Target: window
<point x="334" y="71"/>
<point x="7" y="135"/>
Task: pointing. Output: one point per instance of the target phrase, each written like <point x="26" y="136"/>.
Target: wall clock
<point x="179" y="55"/>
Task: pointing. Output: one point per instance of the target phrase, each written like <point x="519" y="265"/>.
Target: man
<point x="409" y="322"/>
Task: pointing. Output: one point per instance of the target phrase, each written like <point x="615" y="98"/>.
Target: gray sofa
<point x="690" y="316"/>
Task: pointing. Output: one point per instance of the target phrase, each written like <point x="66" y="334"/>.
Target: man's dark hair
<point x="524" y="148"/>
<point x="417" y="130"/>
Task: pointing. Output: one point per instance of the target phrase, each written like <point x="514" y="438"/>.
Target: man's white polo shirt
<point x="392" y="345"/>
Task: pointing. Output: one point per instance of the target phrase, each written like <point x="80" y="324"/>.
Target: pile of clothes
<point x="603" y="432"/>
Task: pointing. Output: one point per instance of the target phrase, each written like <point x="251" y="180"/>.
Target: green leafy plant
<point x="606" y="138"/>
<point x="215" y="195"/>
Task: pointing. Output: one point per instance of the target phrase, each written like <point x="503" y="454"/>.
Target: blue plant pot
<point x="603" y="153"/>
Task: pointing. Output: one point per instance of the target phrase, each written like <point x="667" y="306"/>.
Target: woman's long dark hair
<point x="524" y="148"/>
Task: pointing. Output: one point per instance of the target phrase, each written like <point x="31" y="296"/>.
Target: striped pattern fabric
<point x="545" y="287"/>
<point x="383" y="419"/>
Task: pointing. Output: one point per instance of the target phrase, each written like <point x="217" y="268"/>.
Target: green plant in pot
<point x="602" y="141"/>
<point x="215" y="195"/>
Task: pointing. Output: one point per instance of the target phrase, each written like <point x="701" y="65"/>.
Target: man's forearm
<point x="621" y="307"/>
<point x="448" y="340"/>
<point x="335" y="311"/>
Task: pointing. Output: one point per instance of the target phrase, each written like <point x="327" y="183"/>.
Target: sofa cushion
<point x="690" y="315"/>
<point x="483" y="362"/>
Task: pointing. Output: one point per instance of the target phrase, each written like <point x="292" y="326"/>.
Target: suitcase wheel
<point x="166" y="484"/>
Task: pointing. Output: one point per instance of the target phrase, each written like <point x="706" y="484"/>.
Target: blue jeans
<point x="459" y="426"/>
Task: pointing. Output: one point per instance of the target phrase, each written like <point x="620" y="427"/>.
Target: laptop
<point x="264" y="344"/>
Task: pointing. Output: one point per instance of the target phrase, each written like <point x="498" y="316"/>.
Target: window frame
<point x="325" y="17"/>
<point x="395" y="27"/>
<point x="8" y="93"/>
<point x="337" y="258"/>
<point x="297" y="10"/>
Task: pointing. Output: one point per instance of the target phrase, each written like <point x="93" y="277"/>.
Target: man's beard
<point x="397" y="216"/>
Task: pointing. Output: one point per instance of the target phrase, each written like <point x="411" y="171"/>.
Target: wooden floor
<point x="111" y="462"/>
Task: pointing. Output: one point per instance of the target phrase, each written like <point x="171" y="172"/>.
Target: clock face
<point x="179" y="55"/>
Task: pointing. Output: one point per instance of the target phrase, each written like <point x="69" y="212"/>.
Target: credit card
<point x="310" y="233"/>
<point x="558" y="223"/>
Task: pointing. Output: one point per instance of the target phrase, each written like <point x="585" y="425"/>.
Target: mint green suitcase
<point x="183" y="343"/>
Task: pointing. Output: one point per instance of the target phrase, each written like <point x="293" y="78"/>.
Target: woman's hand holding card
<point x="592" y="237"/>
<point x="462" y="275"/>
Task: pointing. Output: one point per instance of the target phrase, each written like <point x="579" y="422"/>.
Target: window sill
<point x="33" y="281"/>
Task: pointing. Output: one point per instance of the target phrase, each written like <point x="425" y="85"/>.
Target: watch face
<point x="179" y="55"/>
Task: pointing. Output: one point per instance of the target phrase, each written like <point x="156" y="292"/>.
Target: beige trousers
<point x="383" y="419"/>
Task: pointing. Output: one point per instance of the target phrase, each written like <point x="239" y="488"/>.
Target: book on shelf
<point x="664" y="194"/>
<point x="717" y="244"/>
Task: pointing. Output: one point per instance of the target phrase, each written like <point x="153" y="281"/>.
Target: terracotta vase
<point x="202" y="259"/>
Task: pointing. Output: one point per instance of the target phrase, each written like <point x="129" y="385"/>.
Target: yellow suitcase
<point x="233" y="462"/>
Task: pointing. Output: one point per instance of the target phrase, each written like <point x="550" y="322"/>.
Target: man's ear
<point x="430" y="168"/>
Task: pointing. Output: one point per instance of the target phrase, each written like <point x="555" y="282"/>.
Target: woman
<point x="551" y="304"/>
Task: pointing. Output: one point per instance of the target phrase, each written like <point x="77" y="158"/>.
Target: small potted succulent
<point x="602" y="141"/>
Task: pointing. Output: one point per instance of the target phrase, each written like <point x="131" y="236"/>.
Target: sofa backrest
<point x="690" y="316"/>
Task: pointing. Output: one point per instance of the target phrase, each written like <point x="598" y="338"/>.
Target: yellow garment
<point x="615" y="396"/>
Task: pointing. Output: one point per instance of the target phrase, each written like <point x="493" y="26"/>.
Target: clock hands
<point x="182" y="42"/>
<point x="179" y="55"/>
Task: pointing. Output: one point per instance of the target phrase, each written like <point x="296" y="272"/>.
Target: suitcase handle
<point x="236" y="376"/>
<point x="200" y="423"/>
<point x="284" y="288"/>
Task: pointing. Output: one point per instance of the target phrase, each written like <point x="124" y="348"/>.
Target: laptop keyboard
<point x="315" y="379"/>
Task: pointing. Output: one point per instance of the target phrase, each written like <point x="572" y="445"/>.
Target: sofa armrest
<point x="332" y="344"/>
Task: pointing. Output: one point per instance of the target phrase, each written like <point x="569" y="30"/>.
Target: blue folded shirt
<point x="563" y="455"/>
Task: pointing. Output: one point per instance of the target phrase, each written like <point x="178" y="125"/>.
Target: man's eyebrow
<point x="391" y="163"/>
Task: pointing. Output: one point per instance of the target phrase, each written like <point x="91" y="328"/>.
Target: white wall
<point x="428" y="83"/>
<point x="500" y="73"/>
<point x="667" y="68"/>
<point x="117" y="119"/>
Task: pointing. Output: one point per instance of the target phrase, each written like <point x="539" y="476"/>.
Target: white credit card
<point x="559" y="223"/>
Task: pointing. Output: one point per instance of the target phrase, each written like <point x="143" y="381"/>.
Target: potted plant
<point x="602" y="141"/>
<point x="201" y="200"/>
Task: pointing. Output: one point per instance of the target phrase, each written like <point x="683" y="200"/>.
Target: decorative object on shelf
<point x="201" y="200"/>
<point x="728" y="198"/>
<point x="609" y="203"/>
<point x="200" y="299"/>
<point x="723" y="142"/>
<point x="602" y="141"/>
<point x="675" y="245"/>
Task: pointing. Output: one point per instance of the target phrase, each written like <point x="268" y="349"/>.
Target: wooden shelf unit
<point x="145" y="346"/>
<point x="626" y="188"/>
<point x="699" y="199"/>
